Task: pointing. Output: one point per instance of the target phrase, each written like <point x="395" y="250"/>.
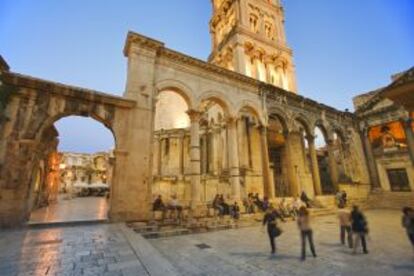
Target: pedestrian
<point x="408" y="223"/>
<point x="270" y="219"/>
<point x="359" y="229"/>
<point x="305" y="199"/>
<point x="344" y="217"/>
<point x="344" y="198"/>
<point x="235" y="211"/>
<point x="306" y="232"/>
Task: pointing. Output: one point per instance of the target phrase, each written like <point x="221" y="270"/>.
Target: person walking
<point x="359" y="229"/>
<point x="344" y="217"/>
<point x="408" y="223"/>
<point x="306" y="232"/>
<point x="270" y="219"/>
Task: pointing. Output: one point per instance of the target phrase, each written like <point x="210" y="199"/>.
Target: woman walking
<point x="270" y="218"/>
<point x="305" y="231"/>
<point x="359" y="229"/>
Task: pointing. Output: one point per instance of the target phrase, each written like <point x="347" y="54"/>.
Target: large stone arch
<point x="218" y="97"/>
<point x="180" y="88"/>
<point x="304" y="122"/>
<point x="252" y="107"/>
<point x="282" y="116"/>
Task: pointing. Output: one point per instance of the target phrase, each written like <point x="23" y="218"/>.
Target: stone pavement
<point x="76" y="209"/>
<point x="83" y="250"/>
<point x="114" y="249"/>
<point x="246" y="251"/>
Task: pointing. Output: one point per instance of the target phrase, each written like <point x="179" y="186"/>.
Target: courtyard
<point x="114" y="249"/>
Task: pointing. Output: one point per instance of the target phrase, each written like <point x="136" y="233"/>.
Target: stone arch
<point x="253" y="108"/>
<point x="180" y="88"/>
<point x="56" y="117"/>
<point x="282" y="116"/>
<point x="219" y="98"/>
<point x="301" y="118"/>
<point x="324" y="127"/>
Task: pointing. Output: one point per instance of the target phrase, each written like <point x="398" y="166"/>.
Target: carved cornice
<point x="142" y="41"/>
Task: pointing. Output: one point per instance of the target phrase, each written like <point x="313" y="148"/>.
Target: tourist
<point x="344" y="198"/>
<point x="265" y="203"/>
<point x="283" y="208"/>
<point x="258" y="202"/>
<point x="305" y="199"/>
<point x="248" y="204"/>
<point x="217" y="205"/>
<point x="174" y="205"/>
<point x="305" y="231"/>
<point x="344" y="217"/>
<point x="235" y="211"/>
<point x="158" y="204"/>
<point x="359" y="229"/>
<point x="224" y="205"/>
<point x="296" y="204"/>
<point x="338" y="198"/>
<point x="270" y="218"/>
<point x="408" y="223"/>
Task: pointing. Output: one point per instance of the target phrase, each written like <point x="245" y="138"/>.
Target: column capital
<point x="231" y="120"/>
<point x="310" y="138"/>
<point x="194" y="115"/>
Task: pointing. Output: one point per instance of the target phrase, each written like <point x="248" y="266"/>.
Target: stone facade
<point x="237" y="131"/>
<point x="388" y="134"/>
<point x="84" y="169"/>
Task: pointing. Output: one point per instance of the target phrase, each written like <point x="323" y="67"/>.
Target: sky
<point x="342" y="48"/>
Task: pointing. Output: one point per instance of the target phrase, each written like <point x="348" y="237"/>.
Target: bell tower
<point x="248" y="36"/>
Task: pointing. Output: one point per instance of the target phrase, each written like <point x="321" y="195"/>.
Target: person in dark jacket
<point x="270" y="219"/>
<point x="305" y="199"/>
<point x="359" y="229"/>
<point x="408" y="223"/>
<point x="158" y="205"/>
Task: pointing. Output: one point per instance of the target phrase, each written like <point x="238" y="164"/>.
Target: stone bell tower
<point x="248" y="36"/>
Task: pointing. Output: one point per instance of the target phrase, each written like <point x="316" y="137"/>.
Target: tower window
<point x="254" y="23"/>
<point x="269" y="30"/>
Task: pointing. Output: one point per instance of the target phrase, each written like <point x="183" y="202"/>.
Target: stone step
<point x="145" y="229"/>
<point x="166" y="233"/>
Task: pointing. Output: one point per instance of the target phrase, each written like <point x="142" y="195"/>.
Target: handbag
<point x="276" y="232"/>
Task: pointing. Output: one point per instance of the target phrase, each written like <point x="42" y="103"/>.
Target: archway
<point x="215" y="148"/>
<point x="322" y="151"/>
<point x="277" y="133"/>
<point x="72" y="176"/>
<point x="171" y="147"/>
<point x="250" y="148"/>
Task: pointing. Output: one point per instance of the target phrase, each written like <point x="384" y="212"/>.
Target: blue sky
<point x="341" y="47"/>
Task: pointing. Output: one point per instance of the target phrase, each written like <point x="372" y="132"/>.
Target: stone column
<point x="195" y="158"/>
<point x="269" y="186"/>
<point x="372" y="166"/>
<point x="233" y="158"/>
<point x="182" y="149"/>
<point x="158" y="158"/>
<point x="407" y="124"/>
<point x="291" y="171"/>
<point x="333" y="170"/>
<point x="314" y="165"/>
<point x="239" y="59"/>
<point x="204" y="157"/>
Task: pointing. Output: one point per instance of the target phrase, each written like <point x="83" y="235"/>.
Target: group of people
<point x="353" y="224"/>
<point x="253" y="203"/>
<point x="223" y="208"/>
<point x="173" y="205"/>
